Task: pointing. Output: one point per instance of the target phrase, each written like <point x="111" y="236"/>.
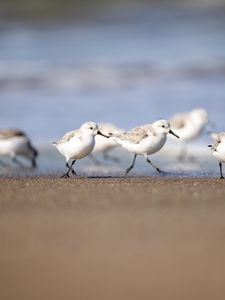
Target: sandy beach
<point x="112" y="238"/>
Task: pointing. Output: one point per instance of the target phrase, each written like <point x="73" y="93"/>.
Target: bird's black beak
<point x="173" y="133"/>
<point x="99" y="133"/>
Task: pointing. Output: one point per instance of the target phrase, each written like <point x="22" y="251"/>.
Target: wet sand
<point x="112" y="238"/>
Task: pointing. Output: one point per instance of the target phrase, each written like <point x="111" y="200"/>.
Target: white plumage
<point x="14" y="142"/>
<point x="77" y="144"/>
<point x="145" y="140"/>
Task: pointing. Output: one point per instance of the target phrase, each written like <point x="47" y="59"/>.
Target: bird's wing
<point x="135" y="135"/>
<point x="220" y="137"/>
<point x="10" y="132"/>
<point x="179" y="120"/>
<point x="68" y="136"/>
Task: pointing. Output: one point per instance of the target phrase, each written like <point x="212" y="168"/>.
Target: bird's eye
<point x="163" y="126"/>
<point x="91" y="128"/>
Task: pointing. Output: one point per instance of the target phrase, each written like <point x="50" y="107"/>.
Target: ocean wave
<point x="27" y="75"/>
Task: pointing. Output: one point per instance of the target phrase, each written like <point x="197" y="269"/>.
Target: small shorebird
<point x="145" y="140"/>
<point x="218" y="150"/>
<point x="14" y="142"/>
<point x="189" y="126"/>
<point x="103" y="145"/>
<point x="77" y="144"/>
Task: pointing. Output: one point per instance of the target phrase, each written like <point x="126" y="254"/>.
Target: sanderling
<point x="14" y="142"/>
<point x="218" y="150"/>
<point x="145" y="140"/>
<point x="103" y="145"/>
<point x="189" y="126"/>
<point x="77" y="144"/>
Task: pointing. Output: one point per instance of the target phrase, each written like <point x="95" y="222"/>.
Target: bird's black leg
<point x="221" y="171"/>
<point x="184" y="156"/>
<point x="66" y="175"/>
<point x="183" y="153"/>
<point x="132" y="165"/>
<point x="17" y="162"/>
<point x="73" y="171"/>
<point x="106" y="156"/>
<point x="155" y="167"/>
<point x="3" y="164"/>
<point x="33" y="163"/>
<point x="94" y="159"/>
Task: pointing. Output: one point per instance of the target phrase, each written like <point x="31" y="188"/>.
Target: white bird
<point x="103" y="145"/>
<point x="14" y="142"/>
<point x="77" y="144"/>
<point x="189" y="126"/>
<point x="218" y="150"/>
<point x="145" y="140"/>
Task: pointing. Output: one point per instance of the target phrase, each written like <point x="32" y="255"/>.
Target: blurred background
<point x="63" y="63"/>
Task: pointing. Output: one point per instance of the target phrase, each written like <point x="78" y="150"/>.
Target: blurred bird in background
<point x="189" y="126"/>
<point x="104" y="146"/>
<point x="13" y="143"/>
